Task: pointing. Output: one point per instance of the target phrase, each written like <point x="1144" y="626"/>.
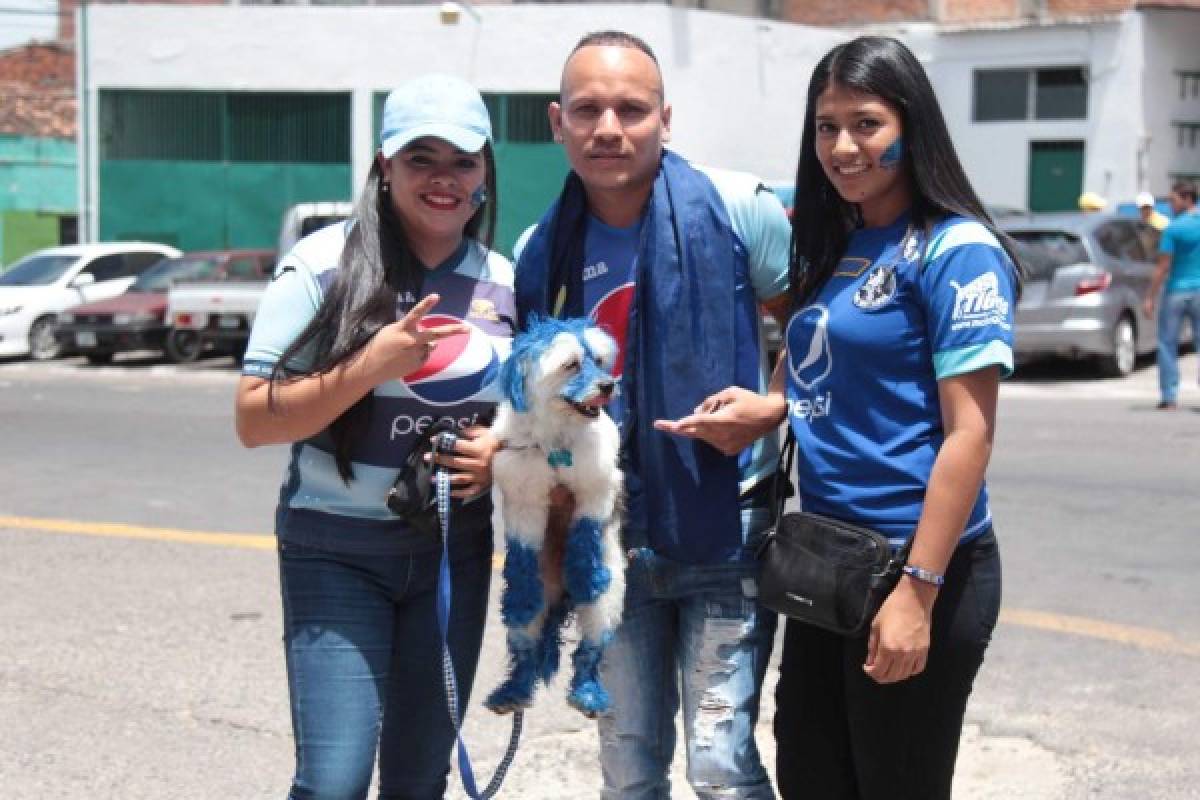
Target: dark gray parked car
<point x="1086" y="277"/>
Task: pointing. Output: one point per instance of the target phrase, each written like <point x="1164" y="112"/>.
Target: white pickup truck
<point x="219" y="316"/>
<point x="207" y="316"/>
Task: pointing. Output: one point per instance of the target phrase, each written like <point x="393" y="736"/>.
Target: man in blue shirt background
<point x="1179" y="268"/>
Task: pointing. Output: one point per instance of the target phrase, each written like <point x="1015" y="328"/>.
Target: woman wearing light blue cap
<point x="372" y="331"/>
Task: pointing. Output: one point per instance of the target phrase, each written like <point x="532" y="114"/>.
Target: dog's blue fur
<point x="584" y="572"/>
<point x="585" y="575"/>
<point x="522" y="599"/>
<point x="529" y="346"/>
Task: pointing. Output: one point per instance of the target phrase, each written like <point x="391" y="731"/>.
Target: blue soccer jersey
<point x="865" y="356"/>
<point x="456" y="383"/>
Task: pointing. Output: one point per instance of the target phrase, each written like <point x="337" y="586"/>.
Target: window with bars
<point x="1189" y="84"/>
<point x="225" y="126"/>
<point x="1005" y="95"/>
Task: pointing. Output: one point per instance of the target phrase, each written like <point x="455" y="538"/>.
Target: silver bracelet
<point x="923" y="575"/>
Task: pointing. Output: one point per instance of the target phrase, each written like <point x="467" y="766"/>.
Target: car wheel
<point x="183" y="347"/>
<point x="1124" y="349"/>
<point x="99" y="358"/>
<point x="42" y="344"/>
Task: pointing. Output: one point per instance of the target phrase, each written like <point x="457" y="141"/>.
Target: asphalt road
<point x="140" y="653"/>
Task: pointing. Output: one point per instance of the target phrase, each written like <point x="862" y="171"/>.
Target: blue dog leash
<point x="445" y="443"/>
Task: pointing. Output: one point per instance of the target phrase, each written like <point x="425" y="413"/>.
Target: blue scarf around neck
<point x="682" y="493"/>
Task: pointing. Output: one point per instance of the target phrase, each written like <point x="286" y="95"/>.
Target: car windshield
<point x="173" y="270"/>
<point x="37" y="270"/>
<point x="317" y="222"/>
<point x="1045" y="251"/>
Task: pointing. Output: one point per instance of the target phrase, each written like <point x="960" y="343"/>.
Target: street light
<point x="451" y="10"/>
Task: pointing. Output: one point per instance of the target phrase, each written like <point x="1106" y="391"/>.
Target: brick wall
<point x="964" y="11"/>
<point x="852" y="12"/>
<point x="1083" y="8"/>
<point x="39" y="79"/>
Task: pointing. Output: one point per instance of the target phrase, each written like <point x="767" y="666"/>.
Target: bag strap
<point x="781" y="488"/>
<point x="466" y="774"/>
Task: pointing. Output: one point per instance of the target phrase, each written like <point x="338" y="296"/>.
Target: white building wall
<point x="737" y="85"/>
<point x="996" y="154"/>
<point x="1172" y="43"/>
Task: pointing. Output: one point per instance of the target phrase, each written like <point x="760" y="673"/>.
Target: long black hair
<point x="376" y="268"/>
<point x="822" y="220"/>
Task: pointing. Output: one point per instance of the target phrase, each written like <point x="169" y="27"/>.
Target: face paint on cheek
<point x="890" y="158"/>
<point x="479" y="196"/>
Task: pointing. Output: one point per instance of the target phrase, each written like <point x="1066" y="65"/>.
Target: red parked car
<point x="136" y="320"/>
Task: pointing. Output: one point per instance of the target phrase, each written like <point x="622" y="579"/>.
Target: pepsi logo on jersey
<point x="611" y="314"/>
<point x="459" y="368"/>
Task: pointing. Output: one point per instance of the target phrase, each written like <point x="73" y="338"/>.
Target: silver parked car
<point x="1086" y="275"/>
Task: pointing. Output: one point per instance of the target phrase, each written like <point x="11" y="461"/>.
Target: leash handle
<point x="445" y="443"/>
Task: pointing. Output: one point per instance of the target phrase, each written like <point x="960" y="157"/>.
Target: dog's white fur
<point x="525" y="477"/>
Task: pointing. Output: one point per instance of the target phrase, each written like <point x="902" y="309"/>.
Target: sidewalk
<point x="557" y="758"/>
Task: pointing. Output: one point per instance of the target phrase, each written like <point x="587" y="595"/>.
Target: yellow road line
<point x="252" y="541"/>
<point x="247" y="541"/>
<point x="1144" y="638"/>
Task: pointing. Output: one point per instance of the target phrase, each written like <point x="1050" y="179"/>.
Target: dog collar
<point x="559" y="458"/>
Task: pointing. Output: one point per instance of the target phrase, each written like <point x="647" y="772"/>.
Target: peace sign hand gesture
<point x="403" y="347"/>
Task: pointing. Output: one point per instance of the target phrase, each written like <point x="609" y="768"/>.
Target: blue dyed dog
<point x="554" y="433"/>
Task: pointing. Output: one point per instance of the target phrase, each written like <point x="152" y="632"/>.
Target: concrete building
<point x="201" y="128"/>
<point x="1047" y="99"/>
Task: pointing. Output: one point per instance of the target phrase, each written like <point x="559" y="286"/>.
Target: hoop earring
<point x="385" y="187"/>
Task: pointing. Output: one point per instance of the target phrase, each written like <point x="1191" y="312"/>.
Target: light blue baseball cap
<point x="435" y="105"/>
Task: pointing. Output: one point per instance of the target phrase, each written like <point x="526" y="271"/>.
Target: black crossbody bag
<point x="820" y="570"/>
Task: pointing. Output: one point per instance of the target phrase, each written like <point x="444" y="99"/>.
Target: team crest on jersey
<point x="877" y="289"/>
<point x="459" y="368"/>
<point x="482" y="308"/>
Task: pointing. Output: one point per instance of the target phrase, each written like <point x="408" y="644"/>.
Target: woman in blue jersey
<point x="904" y="295"/>
<point x="370" y="332"/>
<point x="902" y="330"/>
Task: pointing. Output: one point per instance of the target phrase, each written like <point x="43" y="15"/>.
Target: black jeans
<point x="841" y="736"/>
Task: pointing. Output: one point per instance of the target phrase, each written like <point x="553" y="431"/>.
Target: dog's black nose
<point x="606" y="387"/>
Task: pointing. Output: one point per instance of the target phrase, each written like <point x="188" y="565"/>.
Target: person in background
<point x="1149" y="214"/>
<point x="1090" y="201"/>
<point x="371" y="330"/>
<point x="1176" y="283"/>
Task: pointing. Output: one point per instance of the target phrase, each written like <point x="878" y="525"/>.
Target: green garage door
<point x="1055" y="175"/>
<point x="212" y="170"/>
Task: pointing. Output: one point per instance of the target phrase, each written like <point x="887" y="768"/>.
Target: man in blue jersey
<point x="674" y="261"/>
<point x="1179" y="267"/>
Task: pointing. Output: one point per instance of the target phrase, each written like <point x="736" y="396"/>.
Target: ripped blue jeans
<point x="692" y="635"/>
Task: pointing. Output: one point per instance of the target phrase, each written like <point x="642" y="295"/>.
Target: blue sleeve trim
<point x="258" y="369"/>
<point x="975" y="357"/>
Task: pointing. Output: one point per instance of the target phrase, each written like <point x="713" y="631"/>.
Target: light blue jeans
<point x="1175" y="306"/>
<point x="696" y="634"/>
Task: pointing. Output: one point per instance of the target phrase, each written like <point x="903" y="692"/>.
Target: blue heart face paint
<point x="479" y="196"/>
<point x="891" y="158"/>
